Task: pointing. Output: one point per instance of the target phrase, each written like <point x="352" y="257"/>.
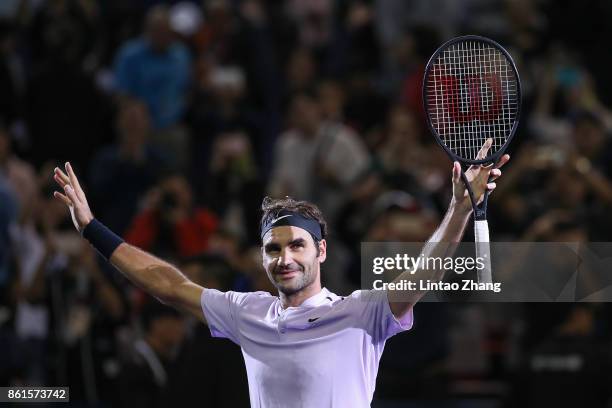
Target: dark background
<point x="179" y="120"/>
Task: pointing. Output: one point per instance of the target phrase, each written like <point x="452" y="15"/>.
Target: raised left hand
<point x="478" y="177"/>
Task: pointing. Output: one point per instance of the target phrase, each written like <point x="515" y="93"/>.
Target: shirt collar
<point x="313" y="301"/>
<point x="317" y="299"/>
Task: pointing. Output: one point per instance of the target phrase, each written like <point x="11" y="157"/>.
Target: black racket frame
<point x="480" y="213"/>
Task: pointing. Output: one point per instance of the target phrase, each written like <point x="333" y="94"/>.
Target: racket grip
<point x="483" y="250"/>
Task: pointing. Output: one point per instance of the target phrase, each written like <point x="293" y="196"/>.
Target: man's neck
<point x="313" y="132"/>
<point x="297" y="298"/>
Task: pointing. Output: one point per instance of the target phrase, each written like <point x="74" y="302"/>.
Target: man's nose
<point x="284" y="258"/>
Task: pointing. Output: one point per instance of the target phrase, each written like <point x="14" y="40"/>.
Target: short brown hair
<point x="271" y="207"/>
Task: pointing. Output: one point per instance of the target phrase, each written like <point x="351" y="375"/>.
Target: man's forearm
<point x="442" y="243"/>
<point x="158" y="278"/>
<point x="452" y="227"/>
<point x="153" y="275"/>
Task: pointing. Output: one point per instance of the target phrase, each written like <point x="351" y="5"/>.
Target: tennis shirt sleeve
<point x="375" y="316"/>
<point x="221" y="311"/>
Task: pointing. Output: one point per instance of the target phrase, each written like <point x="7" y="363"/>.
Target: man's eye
<point x="297" y="246"/>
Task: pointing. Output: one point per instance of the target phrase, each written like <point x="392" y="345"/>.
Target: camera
<point x="168" y="202"/>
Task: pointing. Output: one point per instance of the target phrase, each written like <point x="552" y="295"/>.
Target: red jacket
<point x="190" y="235"/>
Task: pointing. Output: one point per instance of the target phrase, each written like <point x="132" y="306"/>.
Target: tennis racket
<point x="472" y="92"/>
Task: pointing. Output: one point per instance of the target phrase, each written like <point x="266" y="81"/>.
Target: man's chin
<point x="288" y="286"/>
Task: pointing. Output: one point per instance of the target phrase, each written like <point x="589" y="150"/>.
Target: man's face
<point x="170" y="331"/>
<point x="305" y="115"/>
<point x="159" y="31"/>
<point x="133" y="122"/>
<point x="290" y="258"/>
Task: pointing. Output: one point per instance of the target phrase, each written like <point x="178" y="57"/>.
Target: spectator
<point x="301" y="71"/>
<point x="234" y="186"/>
<point x="398" y="217"/>
<point x="216" y="37"/>
<point x="416" y="48"/>
<point x="147" y="371"/>
<point x="313" y="20"/>
<point x="355" y="41"/>
<point x="317" y="160"/>
<point x="68" y="306"/>
<point x="224" y="381"/>
<point x="130" y="167"/>
<point x="12" y="75"/>
<point x="62" y="103"/>
<point x="156" y="69"/>
<point x="330" y="95"/>
<point x="8" y="217"/>
<point x="93" y="310"/>
<point x="366" y="106"/>
<point x="19" y="175"/>
<point x="405" y="162"/>
<point x="219" y="106"/>
<point x="64" y="30"/>
<point x="170" y="224"/>
<point x="571" y="366"/>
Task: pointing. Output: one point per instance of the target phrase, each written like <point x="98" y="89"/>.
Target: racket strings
<point x="472" y="95"/>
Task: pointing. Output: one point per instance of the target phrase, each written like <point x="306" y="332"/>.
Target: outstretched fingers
<point x="482" y="153"/>
<point x="60" y="178"/>
<point x="74" y="182"/>
<point x="502" y="160"/>
<point x="62" y="198"/>
<point x="456" y="172"/>
<point x="70" y="197"/>
<point x="495" y="173"/>
<point x="69" y="180"/>
<point x="71" y="194"/>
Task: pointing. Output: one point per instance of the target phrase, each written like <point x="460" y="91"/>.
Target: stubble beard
<point x="305" y="277"/>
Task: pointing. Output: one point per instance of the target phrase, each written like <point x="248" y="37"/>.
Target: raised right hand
<point x="74" y="197"/>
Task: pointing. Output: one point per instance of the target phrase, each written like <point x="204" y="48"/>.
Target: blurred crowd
<point x="179" y="117"/>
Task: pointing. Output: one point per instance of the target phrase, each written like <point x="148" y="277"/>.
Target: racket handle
<point x="483" y="250"/>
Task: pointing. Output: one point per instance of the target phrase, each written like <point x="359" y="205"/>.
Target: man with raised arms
<point x="306" y="347"/>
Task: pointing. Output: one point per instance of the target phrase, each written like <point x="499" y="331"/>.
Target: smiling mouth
<point x="287" y="274"/>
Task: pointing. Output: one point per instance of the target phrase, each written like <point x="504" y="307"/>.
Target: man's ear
<point x="322" y="251"/>
<point x="263" y="262"/>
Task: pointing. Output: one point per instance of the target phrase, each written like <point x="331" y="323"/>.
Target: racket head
<point x="471" y="92"/>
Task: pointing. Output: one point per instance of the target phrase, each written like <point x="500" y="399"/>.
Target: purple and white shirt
<point x="323" y="353"/>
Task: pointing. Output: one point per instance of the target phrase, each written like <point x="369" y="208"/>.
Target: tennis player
<point x="306" y="347"/>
